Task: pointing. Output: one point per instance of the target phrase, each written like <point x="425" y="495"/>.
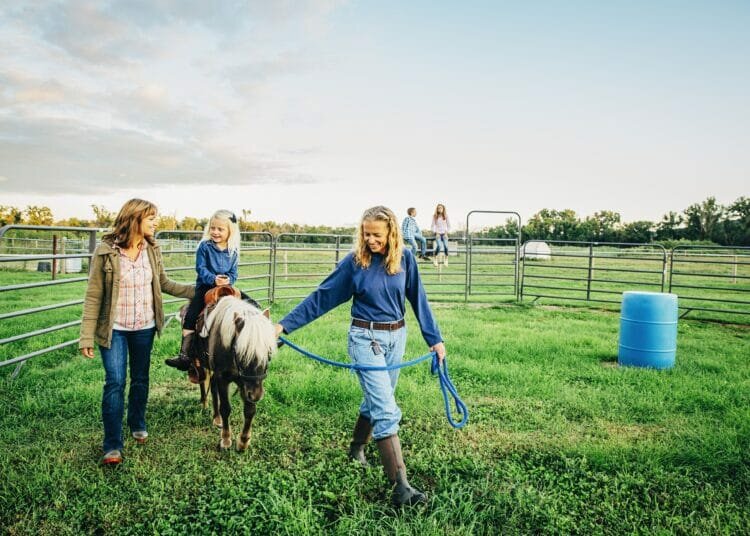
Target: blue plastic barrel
<point x="648" y="329"/>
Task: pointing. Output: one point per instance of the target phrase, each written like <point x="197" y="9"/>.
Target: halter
<point x="240" y="375"/>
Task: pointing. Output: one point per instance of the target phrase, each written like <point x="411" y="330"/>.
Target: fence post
<point x="54" y="258"/>
<point x="591" y="271"/>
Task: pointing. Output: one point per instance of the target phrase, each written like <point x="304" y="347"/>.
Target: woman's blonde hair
<point x="394" y="244"/>
<point x="128" y="223"/>
<point x="227" y="217"/>
<point x="444" y="214"/>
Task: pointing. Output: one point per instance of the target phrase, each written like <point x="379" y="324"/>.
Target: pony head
<point x="246" y="330"/>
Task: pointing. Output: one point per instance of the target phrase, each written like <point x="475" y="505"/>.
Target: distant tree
<point x="601" y="227"/>
<point x="670" y="227"/>
<point x="167" y="222"/>
<point x="553" y="225"/>
<point x="508" y="230"/>
<point x="703" y="218"/>
<point x="638" y="232"/>
<point x="36" y="215"/>
<point x="74" y="222"/>
<point x="189" y="223"/>
<point x="102" y="216"/>
<point x="737" y="223"/>
<point x="10" y="215"/>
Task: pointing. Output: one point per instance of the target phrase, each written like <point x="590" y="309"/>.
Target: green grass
<point x="560" y="439"/>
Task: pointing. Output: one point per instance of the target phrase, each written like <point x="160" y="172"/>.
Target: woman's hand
<point x="87" y="353"/>
<point x="279" y="330"/>
<point x="439" y="348"/>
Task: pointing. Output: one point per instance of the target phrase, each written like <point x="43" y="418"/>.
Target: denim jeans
<point x="441" y="238"/>
<point x="137" y="345"/>
<point x="422" y="242"/>
<point x="378" y="348"/>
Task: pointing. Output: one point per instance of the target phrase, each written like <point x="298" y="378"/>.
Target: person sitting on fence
<point x="441" y="225"/>
<point x="378" y="276"/>
<point x="216" y="262"/>
<point x="411" y="233"/>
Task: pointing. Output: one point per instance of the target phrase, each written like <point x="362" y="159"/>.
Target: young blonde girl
<point x="216" y="262"/>
<point x="441" y="225"/>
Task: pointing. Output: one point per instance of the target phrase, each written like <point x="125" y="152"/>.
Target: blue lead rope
<point x="446" y="385"/>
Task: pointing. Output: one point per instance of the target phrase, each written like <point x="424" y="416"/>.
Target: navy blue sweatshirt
<point x="377" y="296"/>
<point x="211" y="261"/>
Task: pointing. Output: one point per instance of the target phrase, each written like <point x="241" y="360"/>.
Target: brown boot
<point x="360" y="438"/>
<point x="182" y="361"/>
<point x="393" y="464"/>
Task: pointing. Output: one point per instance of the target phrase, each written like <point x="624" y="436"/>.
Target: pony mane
<point x="255" y="343"/>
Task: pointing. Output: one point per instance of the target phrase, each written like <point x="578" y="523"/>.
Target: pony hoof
<point x="218" y="422"/>
<point x="224" y="446"/>
<point x="243" y="444"/>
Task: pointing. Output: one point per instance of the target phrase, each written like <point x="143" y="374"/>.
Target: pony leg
<point x="217" y="420"/>
<point x="224" y="409"/>
<point x="205" y="386"/>
<point x="250" y="400"/>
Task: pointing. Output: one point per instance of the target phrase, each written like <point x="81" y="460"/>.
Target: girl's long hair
<point x="444" y="214"/>
<point x="128" y="223"/>
<point x="395" y="243"/>
<point x="227" y="217"/>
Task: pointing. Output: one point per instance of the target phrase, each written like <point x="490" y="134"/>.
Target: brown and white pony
<point x="240" y="343"/>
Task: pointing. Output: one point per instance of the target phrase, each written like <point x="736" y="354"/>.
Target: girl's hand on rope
<point x="279" y="330"/>
<point x="87" y="353"/>
<point x="439" y="348"/>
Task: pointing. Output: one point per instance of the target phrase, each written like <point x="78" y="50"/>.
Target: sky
<point x="310" y="111"/>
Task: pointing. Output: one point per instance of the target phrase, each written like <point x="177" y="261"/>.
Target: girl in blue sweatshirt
<point x="216" y="262"/>
<point x="378" y="276"/>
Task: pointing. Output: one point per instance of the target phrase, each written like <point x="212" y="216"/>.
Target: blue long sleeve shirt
<point x="376" y="296"/>
<point x="211" y="261"/>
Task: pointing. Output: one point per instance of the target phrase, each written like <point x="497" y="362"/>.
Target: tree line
<point x="104" y="218"/>
<point x="707" y="221"/>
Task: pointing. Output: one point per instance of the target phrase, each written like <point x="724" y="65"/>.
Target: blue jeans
<point x="138" y="345"/>
<point x="378" y="348"/>
<point x="413" y="243"/>
<point x="441" y="238"/>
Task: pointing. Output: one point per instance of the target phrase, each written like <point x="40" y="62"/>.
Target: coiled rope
<point x="446" y="385"/>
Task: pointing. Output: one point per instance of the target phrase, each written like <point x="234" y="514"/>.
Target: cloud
<point x="66" y="157"/>
<point x="158" y="91"/>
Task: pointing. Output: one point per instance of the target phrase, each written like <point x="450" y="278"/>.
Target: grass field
<point x="560" y="440"/>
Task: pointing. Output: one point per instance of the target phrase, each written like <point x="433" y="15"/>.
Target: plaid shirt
<point x="409" y="228"/>
<point x="135" y="302"/>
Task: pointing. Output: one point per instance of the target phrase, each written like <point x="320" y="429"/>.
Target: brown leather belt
<point x="380" y="326"/>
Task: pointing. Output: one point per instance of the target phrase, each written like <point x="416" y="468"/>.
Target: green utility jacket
<point x="103" y="289"/>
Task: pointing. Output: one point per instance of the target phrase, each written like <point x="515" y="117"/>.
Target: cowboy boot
<point x="393" y="464"/>
<point x="182" y="361"/>
<point x="360" y="438"/>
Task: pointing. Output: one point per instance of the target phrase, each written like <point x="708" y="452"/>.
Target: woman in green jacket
<point x="122" y="312"/>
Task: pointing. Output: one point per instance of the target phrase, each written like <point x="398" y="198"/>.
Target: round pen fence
<point x="43" y="281"/>
<point x="591" y="271"/>
<point x="711" y="279"/>
<point x="303" y="260"/>
<point x="44" y="272"/>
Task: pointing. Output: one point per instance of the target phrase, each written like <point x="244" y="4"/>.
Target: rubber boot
<point x="393" y="464"/>
<point x="182" y="361"/>
<point x="360" y="438"/>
